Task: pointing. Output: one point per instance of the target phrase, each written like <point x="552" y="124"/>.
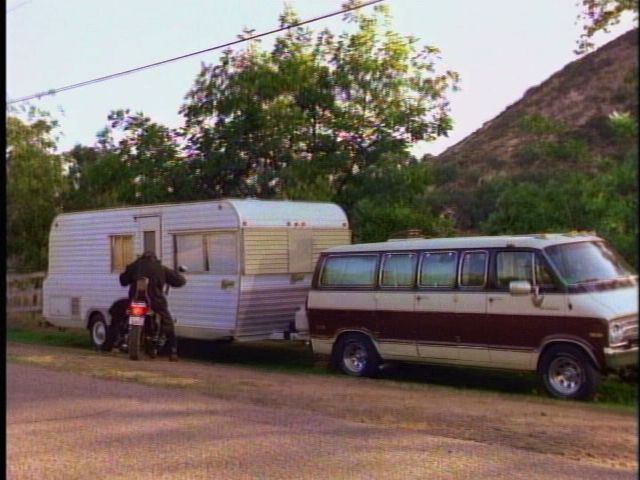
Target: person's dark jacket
<point x="158" y="275"/>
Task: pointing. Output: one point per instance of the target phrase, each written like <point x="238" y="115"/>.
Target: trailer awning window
<point x="121" y="252"/>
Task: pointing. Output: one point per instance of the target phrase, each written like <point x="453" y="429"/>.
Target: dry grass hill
<point x="580" y="96"/>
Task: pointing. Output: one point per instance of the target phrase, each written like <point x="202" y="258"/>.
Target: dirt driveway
<point x="589" y="434"/>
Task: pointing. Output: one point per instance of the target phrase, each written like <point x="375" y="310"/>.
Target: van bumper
<point x="620" y="358"/>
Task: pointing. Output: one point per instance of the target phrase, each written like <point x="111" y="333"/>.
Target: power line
<point x="18" y="6"/>
<point x="181" y="57"/>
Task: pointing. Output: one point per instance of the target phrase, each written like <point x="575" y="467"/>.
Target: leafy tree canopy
<point x="599" y="15"/>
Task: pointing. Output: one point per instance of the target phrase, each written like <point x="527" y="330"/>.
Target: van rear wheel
<point x="101" y="335"/>
<point x="356" y="356"/>
<point x="568" y="373"/>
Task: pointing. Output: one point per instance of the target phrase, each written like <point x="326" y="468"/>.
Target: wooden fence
<point x="24" y="292"/>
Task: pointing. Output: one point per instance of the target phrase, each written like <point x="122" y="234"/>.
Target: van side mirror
<point x="520" y="287"/>
<point x="183" y="269"/>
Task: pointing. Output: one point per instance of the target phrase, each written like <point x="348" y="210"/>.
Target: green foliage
<point x="540" y="125"/>
<point x="623" y="127"/>
<point x="389" y="197"/>
<point x="605" y="201"/>
<point x="599" y="15"/>
<point x="310" y="116"/>
<point x="34" y="190"/>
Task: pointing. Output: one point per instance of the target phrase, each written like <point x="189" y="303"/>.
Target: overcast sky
<point x="501" y="48"/>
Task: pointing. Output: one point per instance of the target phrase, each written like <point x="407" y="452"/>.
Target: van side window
<point x="438" y="269"/>
<point x="543" y="276"/>
<point x="121" y="252"/>
<point x="349" y="271"/>
<point x="398" y="269"/>
<point x="512" y="266"/>
<point x="473" y="272"/>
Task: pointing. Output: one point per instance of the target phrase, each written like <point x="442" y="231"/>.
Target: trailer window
<point x="349" y="271"/>
<point x="190" y="252"/>
<point x="438" y="269"/>
<point x="121" y="252"/>
<point x="398" y="270"/>
<point x="221" y="249"/>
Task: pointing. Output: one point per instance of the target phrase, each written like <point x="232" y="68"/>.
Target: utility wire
<point x="181" y="57"/>
<point x="15" y="7"/>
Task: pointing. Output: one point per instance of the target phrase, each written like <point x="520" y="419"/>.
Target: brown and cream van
<point x="564" y="305"/>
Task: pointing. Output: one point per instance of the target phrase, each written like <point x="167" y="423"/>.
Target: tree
<point x="304" y="120"/>
<point x="599" y="15"/>
<point x="34" y="190"/>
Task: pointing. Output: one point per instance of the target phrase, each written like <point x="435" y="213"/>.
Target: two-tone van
<point x="563" y="305"/>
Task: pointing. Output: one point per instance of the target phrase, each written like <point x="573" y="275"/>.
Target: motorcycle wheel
<point x="136" y="337"/>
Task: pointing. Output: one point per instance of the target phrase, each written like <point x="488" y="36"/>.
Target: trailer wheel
<point x="356" y="356"/>
<point x="136" y="338"/>
<point x="568" y="373"/>
<point x="100" y="332"/>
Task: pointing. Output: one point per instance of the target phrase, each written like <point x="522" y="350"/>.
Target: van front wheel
<point x="568" y="373"/>
<point x="356" y="356"/>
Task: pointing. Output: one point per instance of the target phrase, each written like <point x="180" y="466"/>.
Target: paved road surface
<point x="67" y="426"/>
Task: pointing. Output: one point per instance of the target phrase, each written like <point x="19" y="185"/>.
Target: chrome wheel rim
<point x="566" y="376"/>
<point x="99" y="333"/>
<point x="354" y="358"/>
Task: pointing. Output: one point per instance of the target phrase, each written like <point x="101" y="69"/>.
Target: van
<point x="249" y="263"/>
<point x="562" y="305"/>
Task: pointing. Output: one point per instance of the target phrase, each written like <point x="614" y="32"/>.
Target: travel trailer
<point x="249" y="263"/>
<point x="565" y="306"/>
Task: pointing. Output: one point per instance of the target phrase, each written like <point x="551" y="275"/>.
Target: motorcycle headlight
<point x="616" y="333"/>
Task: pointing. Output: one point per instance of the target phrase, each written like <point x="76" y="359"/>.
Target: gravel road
<point x="266" y="425"/>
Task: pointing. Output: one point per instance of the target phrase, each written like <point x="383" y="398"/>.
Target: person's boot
<point x="173" y="355"/>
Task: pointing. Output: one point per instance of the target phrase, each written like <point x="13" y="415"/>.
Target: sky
<point x="500" y="48"/>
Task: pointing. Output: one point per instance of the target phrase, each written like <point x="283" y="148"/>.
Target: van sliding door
<point x="395" y="306"/>
<point x="436" y="321"/>
<point x="471" y="308"/>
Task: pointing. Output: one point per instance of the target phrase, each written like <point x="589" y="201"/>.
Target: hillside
<point x="580" y="96"/>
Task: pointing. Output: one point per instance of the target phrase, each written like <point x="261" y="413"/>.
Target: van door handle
<point x="227" y="283"/>
<point x="494" y="299"/>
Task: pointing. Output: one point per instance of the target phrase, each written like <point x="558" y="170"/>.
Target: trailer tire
<point x="568" y="373"/>
<point x="136" y="339"/>
<point x="101" y="334"/>
<point x="355" y="355"/>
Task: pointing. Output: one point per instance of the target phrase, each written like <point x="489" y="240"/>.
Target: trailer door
<point x="149" y="234"/>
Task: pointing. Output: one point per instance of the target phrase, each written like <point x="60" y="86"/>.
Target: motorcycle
<point x="145" y="332"/>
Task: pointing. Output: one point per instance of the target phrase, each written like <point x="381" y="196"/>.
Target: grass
<point x="296" y="357"/>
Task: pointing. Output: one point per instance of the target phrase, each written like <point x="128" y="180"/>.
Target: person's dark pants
<point x="166" y="323"/>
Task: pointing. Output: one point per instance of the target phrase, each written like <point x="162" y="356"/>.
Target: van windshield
<point x="588" y="262"/>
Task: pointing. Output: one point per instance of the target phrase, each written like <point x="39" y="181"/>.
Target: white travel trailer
<point x="250" y="263"/>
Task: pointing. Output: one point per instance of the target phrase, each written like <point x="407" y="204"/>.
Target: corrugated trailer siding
<point x="268" y="304"/>
<point x="266" y="250"/>
<point x="80" y="258"/>
<point x="200" y="304"/>
<point x="327" y="238"/>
